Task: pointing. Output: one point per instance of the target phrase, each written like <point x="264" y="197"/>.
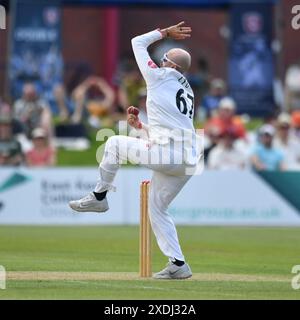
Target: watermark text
<point x="296" y="279"/>
<point x="2" y="278"/>
<point x="2" y="18"/>
<point x="296" y="19"/>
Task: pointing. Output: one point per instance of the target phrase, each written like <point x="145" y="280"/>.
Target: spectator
<point x="42" y="153"/>
<point x="211" y="140"/>
<point x="226" y="119"/>
<point x="226" y="155"/>
<point x="292" y="88"/>
<point x="264" y="155"/>
<point x="32" y="112"/>
<point x="296" y="124"/>
<point x="10" y="148"/>
<point x="61" y="104"/>
<point x="287" y="142"/>
<point x="210" y="102"/>
<point x="94" y="95"/>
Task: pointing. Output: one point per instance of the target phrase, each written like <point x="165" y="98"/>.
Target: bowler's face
<point x="165" y="63"/>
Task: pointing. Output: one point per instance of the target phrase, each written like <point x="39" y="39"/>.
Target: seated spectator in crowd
<point x="226" y="155"/>
<point x="10" y="148"/>
<point x="211" y="140"/>
<point x="129" y="88"/>
<point x="42" y="154"/>
<point x="296" y="124"/>
<point x="226" y="119"/>
<point x="292" y="88"/>
<point x="210" y="102"/>
<point x="5" y="110"/>
<point x="265" y="156"/>
<point x="288" y="143"/>
<point x="62" y="105"/>
<point x="94" y="97"/>
<point x="33" y="112"/>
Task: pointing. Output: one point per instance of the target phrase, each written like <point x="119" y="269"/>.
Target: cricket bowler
<point x="169" y="149"/>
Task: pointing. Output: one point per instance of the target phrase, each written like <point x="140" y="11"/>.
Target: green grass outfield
<point x="101" y="262"/>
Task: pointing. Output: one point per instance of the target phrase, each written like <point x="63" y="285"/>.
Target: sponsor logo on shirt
<point x="151" y="64"/>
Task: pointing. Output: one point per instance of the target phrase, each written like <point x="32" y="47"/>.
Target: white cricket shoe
<point x="174" y="272"/>
<point x="89" y="203"/>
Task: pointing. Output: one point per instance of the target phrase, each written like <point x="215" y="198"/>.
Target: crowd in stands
<point x="25" y="134"/>
<point x="30" y="127"/>
<point x="275" y="145"/>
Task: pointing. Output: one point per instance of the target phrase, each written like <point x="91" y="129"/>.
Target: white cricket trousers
<point x="167" y="181"/>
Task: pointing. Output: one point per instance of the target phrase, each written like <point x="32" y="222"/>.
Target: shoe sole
<point x="85" y="210"/>
<point x="170" y="278"/>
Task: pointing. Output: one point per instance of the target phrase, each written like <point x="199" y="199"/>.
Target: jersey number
<point x="182" y="104"/>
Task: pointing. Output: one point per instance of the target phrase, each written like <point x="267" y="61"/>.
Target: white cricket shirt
<point x="170" y="99"/>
